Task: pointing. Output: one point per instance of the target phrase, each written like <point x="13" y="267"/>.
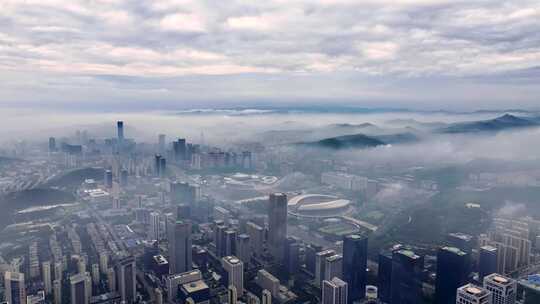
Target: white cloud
<point x="394" y="40"/>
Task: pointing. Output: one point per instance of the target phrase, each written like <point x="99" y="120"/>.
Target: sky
<point x="126" y="54"/>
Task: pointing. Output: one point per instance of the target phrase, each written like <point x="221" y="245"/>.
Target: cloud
<point x="388" y="44"/>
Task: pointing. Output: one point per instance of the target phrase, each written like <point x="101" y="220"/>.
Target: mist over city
<point x="259" y="152"/>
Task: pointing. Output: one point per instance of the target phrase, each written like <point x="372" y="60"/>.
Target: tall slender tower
<point x="180" y="247"/>
<point x="120" y="130"/>
<point x="354" y="265"/>
<point x="277" y="225"/>
<point x="127" y="279"/>
<point x="452" y="272"/>
<point x="46" y="277"/>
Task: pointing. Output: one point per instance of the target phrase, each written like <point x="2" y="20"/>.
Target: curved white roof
<point x="314" y="202"/>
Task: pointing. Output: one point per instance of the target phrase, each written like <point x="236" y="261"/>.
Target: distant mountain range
<point x="505" y="122"/>
<point x="409" y="135"/>
<point x="360" y="141"/>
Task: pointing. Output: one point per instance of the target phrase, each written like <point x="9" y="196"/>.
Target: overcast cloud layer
<point x="437" y="54"/>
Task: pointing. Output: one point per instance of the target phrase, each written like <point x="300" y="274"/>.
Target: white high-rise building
<point x="333" y="267"/>
<point x="235" y="271"/>
<point x="334" y="291"/>
<point x="232" y="295"/>
<point x="46" y="277"/>
<point x="57" y="292"/>
<point x="154" y="232"/>
<point x="266" y="297"/>
<point x="472" y="294"/>
<point x="267" y="281"/>
<point x="503" y="290"/>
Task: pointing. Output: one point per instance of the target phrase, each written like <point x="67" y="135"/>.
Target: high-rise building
<point x="384" y="277"/>
<point x="111" y="279"/>
<point x="531" y="288"/>
<point x="126" y="272"/>
<point x="333" y="267"/>
<point x="232" y="295"/>
<point x="161" y="143"/>
<point x="243" y="249"/>
<point x="267" y="281"/>
<point x="354" y="265"/>
<point x="320" y="265"/>
<point x="406" y="285"/>
<point x="235" y="272"/>
<point x="229" y="242"/>
<point x="266" y="297"/>
<point x="15" y="288"/>
<point x="277" y="225"/>
<point x="471" y="294"/>
<point x="95" y="274"/>
<point x="52" y="144"/>
<point x="124" y="177"/>
<point x="179" y="150"/>
<point x="487" y="261"/>
<point x="503" y="289"/>
<point x="154" y="226"/>
<point x="256" y="237"/>
<point x="58" y="270"/>
<point x="334" y="291"/>
<point x="462" y="241"/>
<point x="120" y="130"/>
<point x="46" y="277"/>
<point x="57" y="285"/>
<point x="180" y="247"/>
<point x="79" y="288"/>
<point x="103" y="261"/>
<point x="157" y="165"/>
<point x="108" y="179"/>
<point x="452" y="272"/>
<point x="292" y="256"/>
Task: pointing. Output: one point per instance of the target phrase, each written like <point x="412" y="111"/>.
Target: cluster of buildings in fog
<point x="152" y="225"/>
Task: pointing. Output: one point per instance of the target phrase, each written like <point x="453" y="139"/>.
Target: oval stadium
<point x="317" y="205"/>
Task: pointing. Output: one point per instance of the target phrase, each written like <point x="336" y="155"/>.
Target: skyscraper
<point x="503" y="289"/>
<point x="242" y="248"/>
<point x="57" y="285"/>
<point x="120" y="130"/>
<point x="266" y="297"/>
<point x="232" y="295"/>
<point x="154" y="226"/>
<point x="384" y="277"/>
<point x="126" y="272"/>
<point x="79" y="288"/>
<point x="161" y="143"/>
<point x="354" y="265"/>
<point x="320" y="265"/>
<point x="256" y="237"/>
<point x="292" y="256"/>
<point x="333" y="267"/>
<point x="180" y="247"/>
<point x="52" y="144"/>
<point x="334" y="291"/>
<point x="487" y="261"/>
<point x="157" y="165"/>
<point x="406" y="285"/>
<point x="15" y="289"/>
<point x="471" y="294"/>
<point x="235" y="272"/>
<point x="452" y="272"/>
<point x="277" y="225"/>
<point x="46" y="277"/>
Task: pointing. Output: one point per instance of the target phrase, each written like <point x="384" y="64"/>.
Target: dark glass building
<point x="277" y="225"/>
<point x="384" y="278"/>
<point x="452" y="273"/>
<point x="406" y="284"/>
<point x="487" y="261"/>
<point x="354" y="265"/>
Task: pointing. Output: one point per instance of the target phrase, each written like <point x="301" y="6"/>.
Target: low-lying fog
<point x="228" y="127"/>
